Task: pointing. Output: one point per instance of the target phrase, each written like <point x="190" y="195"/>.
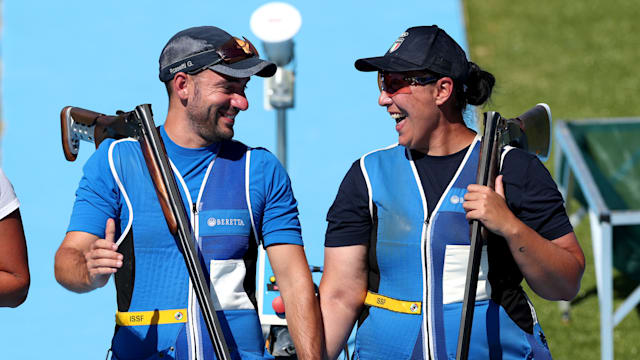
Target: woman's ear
<point x="444" y="90"/>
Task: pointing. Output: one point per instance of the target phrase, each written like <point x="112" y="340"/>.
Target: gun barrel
<point x="487" y="171"/>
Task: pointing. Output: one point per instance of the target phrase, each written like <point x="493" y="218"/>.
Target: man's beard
<point x="205" y="121"/>
<point x="206" y="126"/>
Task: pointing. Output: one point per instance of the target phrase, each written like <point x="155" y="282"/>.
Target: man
<point x="14" y="266"/>
<point x="397" y="242"/>
<point x="237" y="197"/>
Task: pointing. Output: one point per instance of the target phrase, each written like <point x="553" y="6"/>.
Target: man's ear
<point x="181" y="86"/>
<point x="444" y="90"/>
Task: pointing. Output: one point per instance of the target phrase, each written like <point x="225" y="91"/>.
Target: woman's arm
<point x="343" y="289"/>
<point x="14" y="266"/>
<point x="553" y="268"/>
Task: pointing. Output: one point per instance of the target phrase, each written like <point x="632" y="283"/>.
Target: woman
<point x="14" y="269"/>
<point x="397" y="242"/>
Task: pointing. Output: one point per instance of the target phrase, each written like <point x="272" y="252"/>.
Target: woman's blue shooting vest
<point x="404" y="319"/>
<point x="158" y="315"/>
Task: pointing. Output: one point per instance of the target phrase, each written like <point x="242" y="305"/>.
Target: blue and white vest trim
<point x="154" y="277"/>
<point x="406" y="319"/>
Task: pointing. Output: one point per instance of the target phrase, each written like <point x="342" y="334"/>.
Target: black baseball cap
<point x="209" y="47"/>
<point x="421" y="48"/>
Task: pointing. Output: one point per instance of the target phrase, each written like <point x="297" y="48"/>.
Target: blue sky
<point x="103" y="56"/>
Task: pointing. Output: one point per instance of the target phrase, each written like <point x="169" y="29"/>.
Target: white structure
<point x="572" y="167"/>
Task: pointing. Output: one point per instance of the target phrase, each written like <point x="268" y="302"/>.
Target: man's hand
<point x="102" y="258"/>
<point x="85" y="262"/>
<point x="489" y="207"/>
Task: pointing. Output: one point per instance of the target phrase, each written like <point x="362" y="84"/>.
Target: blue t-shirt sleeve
<point x="280" y="223"/>
<point x="97" y="195"/>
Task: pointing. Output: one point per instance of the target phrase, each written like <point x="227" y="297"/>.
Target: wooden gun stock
<point x="82" y="124"/>
<point x="73" y="131"/>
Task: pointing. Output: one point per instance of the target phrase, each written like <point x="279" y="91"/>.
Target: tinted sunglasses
<point x="398" y="83"/>
<point x="235" y="50"/>
<point x="232" y="51"/>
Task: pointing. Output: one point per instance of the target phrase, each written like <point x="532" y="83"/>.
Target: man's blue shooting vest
<point x="404" y="319"/>
<point x="158" y="315"/>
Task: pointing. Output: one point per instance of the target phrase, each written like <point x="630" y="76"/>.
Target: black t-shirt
<point x="531" y="194"/>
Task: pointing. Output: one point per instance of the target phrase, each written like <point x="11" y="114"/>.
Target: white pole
<point x="601" y="234"/>
<point x="282" y="136"/>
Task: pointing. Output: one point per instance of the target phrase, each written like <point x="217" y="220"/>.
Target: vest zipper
<point x="426" y="312"/>
<point x="425" y="258"/>
<point x="197" y="335"/>
<point x="194" y="341"/>
<point x="195" y="225"/>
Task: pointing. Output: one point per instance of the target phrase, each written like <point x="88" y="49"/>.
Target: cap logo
<point x="396" y="44"/>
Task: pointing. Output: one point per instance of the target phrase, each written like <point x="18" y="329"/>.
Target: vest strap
<point x="391" y="304"/>
<point x="154" y="317"/>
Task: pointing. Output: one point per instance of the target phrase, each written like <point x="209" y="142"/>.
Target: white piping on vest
<point x="261" y="251"/>
<point x="505" y="150"/>
<point x="195" y="220"/>
<point x="248" y="195"/>
<point x="425" y="260"/>
<point x="114" y="173"/>
<point x="366" y="176"/>
<point x="533" y="310"/>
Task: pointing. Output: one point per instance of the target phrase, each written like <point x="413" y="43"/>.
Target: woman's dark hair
<point x="476" y="90"/>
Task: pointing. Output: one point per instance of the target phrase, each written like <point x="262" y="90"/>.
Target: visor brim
<point x="246" y="68"/>
<point x="386" y="63"/>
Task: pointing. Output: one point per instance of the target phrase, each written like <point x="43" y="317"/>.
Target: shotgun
<point x="81" y="124"/>
<point x="531" y="132"/>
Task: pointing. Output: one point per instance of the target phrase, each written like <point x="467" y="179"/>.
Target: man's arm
<point x="343" y="289"/>
<point x="291" y="270"/>
<point x="14" y="267"/>
<point x="553" y="269"/>
<point x="85" y="262"/>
